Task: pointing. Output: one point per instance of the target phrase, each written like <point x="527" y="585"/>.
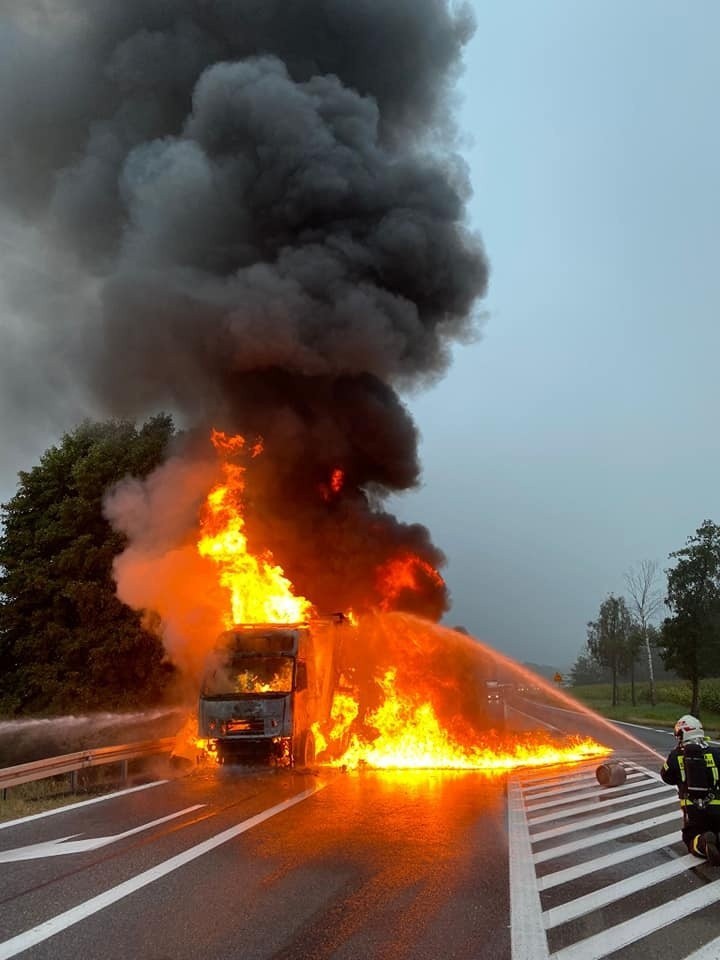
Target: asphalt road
<point x="227" y="863"/>
<point x="367" y="865"/>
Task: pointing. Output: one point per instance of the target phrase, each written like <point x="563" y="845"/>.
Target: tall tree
<point x="586" y="670"/>
<point x="609" y="638"/>
<point x="645" y="603"/>
<point x="66" y="641"/>
<point x="634" y="645"/>
<point x="690" y="639"/>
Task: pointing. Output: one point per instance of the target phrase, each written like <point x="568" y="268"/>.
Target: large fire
<point x="408" y="735"/>
<point x="403" y="573"/>
<point x="411" y="712"/>
<point x="259" y="590"/>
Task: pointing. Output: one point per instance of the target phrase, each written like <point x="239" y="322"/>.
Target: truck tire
<point x="305" y="754"/>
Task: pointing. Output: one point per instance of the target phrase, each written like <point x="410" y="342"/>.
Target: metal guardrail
<point x="72" y="762"/>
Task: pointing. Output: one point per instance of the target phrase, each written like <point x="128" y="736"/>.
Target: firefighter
<point x="693" y="767"/>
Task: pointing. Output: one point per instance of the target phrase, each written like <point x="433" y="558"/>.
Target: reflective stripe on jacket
<point x="673" y="772"/>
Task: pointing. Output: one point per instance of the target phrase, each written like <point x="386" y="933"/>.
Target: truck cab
<point x="264" y="686"/>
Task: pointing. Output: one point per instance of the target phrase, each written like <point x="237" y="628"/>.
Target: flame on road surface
<point x="408" y="735"/>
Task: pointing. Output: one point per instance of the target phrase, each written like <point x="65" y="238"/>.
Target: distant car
<point x="494" y="692"/>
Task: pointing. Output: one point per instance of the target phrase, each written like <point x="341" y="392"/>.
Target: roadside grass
<point x="38" y="796"/>
<point x="673" y="699"/>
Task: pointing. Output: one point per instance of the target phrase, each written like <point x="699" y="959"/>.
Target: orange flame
<point x="410" y="736"/>
<point x="335" y="485"/>
<point x="406" y="729"/>
<point x="259" y="590"/>
<point x="402" y="573"/>
<point x="337" y="479"/>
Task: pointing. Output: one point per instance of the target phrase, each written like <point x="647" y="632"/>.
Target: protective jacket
<point x="694" y="768"/>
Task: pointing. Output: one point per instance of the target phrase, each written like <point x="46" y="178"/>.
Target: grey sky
<point x="576" y="438"/>
<point x="579" y="437"/>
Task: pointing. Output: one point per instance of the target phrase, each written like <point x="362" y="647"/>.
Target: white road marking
<point x="711" y="951"/>
<point x="61" y="846"/>
<point x="559" y="877"/>
<point x="553" y="786"/>
<point x="30" y="938"/>
<point x="623" y="934"/>
<point x="573" y="811"/>
<point x="543" y="723"/>
<point x="616" y="891"/>
<point x="586" y="822"/>
<point x="572" y="796"/>
<point x="625" y="831"/>
<point x="528" y="938"/>
<point x="540" y="783"/>
<point x="573" y="807"/>
<point x="654" y="774"/>
<point x="561" y="787"/>
<point x="82" y="803"/>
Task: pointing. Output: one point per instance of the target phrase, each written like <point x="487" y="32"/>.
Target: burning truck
<point x="269" y="688"/>
<point x="276" y="683"/>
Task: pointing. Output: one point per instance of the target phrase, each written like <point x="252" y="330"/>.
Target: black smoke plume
<point x="262" y="200"/>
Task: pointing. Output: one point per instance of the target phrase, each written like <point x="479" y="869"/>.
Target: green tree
<point x="609" y="639"/>
<point x="66" y="641"/>
<point x="690" y="638"/>
<point x="586" y="670"/>
<point x="645" y="602"/>
<point x="635" y="643"/>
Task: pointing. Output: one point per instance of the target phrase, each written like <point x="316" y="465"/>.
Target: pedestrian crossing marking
<point x="571" y="811"/>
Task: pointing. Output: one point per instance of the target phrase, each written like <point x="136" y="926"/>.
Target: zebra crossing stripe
<point x="624" y="792"/>
<point x="630" y="931"/>
<point x="616" y="891"/>
<point x="711" y="951"/>
<point x="587" y="822"/>
<point x="615" y="834"/>
<point x="561" y="790"/>
<point x="528" y="785"/>
<point x="559" y="877"/>
<point x="593" y="807"/>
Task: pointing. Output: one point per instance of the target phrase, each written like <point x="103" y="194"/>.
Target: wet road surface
<point x="382" y="865"/>
<point x="229" y="863"/>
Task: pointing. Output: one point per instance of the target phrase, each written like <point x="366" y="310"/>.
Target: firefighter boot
<point x="706" y="845"/>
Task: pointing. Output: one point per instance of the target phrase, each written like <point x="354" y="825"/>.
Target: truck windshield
<point x="249" y="675"/>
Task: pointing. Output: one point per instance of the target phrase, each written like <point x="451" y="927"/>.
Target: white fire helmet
<point x="688" y="729"/>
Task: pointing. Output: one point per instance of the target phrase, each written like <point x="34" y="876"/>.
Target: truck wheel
<point x="306" y="750"/>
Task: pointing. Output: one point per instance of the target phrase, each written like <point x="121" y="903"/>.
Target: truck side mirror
<point x="301" y="677"/>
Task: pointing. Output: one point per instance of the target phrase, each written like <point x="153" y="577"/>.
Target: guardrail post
<point x="73" y="763"/>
